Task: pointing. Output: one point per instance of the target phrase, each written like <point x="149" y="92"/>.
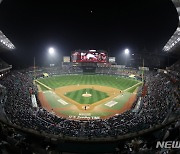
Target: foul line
<point x="43" y="84"/>
<point x="132" y="86"/>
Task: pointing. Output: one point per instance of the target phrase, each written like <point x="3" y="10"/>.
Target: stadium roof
<point x="5" y="42"/>
<point x="174" y="41"/>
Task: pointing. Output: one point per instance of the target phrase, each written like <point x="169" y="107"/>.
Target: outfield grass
<point x="96" y="96"/>
<point x="121" y="99"/>
<point x="131" y="90"/>
<point x="52" y="98"/>
<point x="43" y="88"/>
<point x="68" y="109"/>
<point x="103" y="80"/>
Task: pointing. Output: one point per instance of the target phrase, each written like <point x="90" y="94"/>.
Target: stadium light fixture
<point x="51" y="51"/>
<point x="5" y="42"/>
<point x="126" y="51"/>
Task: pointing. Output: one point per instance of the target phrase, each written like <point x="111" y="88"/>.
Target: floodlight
<point x="92" y="50"/>
<point x="126" y="51"/>
<point x="51" y="51"/>
<point x="5" y="42"/>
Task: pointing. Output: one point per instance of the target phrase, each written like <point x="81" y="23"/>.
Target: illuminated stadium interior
<point x="88" y="100"/>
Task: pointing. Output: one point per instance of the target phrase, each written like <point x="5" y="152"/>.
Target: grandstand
<point x="153" y="109"/>
<point x="4" y="68"/>
<point x="173" y="42"/>
<point x="5" y="42"/>
<point x="42" y="109"/>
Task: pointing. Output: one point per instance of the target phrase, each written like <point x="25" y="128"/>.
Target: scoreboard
<point x="89" y="56"/>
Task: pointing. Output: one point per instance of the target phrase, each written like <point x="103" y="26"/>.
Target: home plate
<point x="111" y="103"/>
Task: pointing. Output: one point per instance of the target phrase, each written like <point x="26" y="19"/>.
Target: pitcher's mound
<point x="86" y="95"/>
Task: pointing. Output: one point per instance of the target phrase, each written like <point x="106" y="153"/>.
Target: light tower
<point x="52" y="55"/>
<point x="5" y="42"/>
<point x="51" y="51"/>
<point x="126" y="51"/>
<point x="126" y="55"/>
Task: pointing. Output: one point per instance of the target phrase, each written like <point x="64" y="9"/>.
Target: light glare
<point x="126" y="51"/>
<point x="51" y="51"/>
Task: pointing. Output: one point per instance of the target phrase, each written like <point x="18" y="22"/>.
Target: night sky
<point x="34" y="26"/>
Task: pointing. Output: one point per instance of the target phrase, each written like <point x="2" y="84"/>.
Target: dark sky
<point x="34" y="25"/>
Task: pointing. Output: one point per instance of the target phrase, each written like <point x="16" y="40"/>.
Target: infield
<point x="86" y="96"/>
<point x="108" y="95"/>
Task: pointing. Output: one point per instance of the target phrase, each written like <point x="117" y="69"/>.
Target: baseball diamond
<point x="87" y="96"/>
<point x="89" y="78"/>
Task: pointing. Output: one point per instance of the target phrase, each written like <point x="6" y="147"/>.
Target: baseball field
<point x="87" y="97"/>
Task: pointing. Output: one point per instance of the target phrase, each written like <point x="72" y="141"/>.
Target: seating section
<point x="3" y="64"/>
<point x="160" y="102"/>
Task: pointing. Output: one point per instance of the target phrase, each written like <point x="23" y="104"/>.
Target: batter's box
<point x="111" y="103"/>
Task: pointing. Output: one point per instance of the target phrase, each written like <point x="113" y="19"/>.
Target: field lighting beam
<point x="126" y="51"/>
<point x="51" y="51"/>
<point x="126" y="55"/>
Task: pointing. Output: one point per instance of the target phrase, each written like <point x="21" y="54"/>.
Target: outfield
<point x="106" y="95"/>
<point x="103" y="80"/>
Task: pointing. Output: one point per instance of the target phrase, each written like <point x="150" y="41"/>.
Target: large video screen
<point x="95" y="56"/>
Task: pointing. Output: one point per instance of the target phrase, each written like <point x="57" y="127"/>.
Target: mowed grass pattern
<point x="103" y="80"/>
<point x="77" y="96"/>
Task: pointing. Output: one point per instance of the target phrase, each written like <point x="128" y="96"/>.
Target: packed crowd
<point x="176" y="67"/>
<point x="157" y="104"/>
<point x="160" y="100"/>
<point x="13" y="141"/>
<point x="117" y="71"/>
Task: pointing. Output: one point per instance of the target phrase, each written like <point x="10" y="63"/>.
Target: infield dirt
<point x="96" y="107"/>
<point x="112" y="92"/>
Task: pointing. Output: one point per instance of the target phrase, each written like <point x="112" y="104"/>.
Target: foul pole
<point x="143" y="71"/>
<point x="34" y="68"/>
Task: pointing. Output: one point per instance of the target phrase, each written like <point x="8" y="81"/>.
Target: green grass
<point x="52" y="98"/>
<point x="121" y="99"/>
<point x="129" y="85"/>
<point x="77" y="96"/>
<point x="43" y="88"/>
<point x="131" y="90"/>
<point x="103" y="80"/>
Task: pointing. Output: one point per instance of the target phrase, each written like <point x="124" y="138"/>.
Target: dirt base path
<point x="112" y="92"/>
<point x="96" y="107"/>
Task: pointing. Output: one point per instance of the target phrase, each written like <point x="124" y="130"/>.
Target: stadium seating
<point x="3" y="64"/>
<point x="160" y="103"/>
